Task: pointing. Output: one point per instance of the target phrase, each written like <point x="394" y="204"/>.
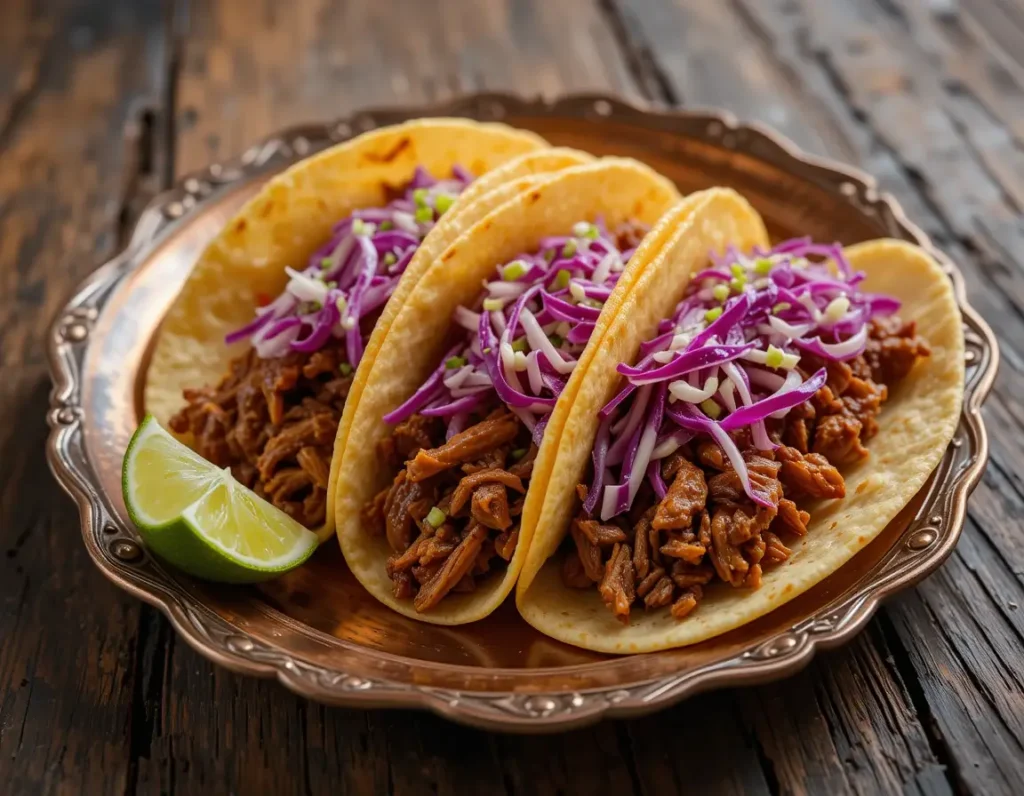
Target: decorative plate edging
<point x="927" y="541"/>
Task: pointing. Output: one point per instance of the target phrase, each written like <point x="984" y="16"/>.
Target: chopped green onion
<point x="443" y="202"/>
<point x="435" y="517"/>
<point x="720" y="292"/>
<point x="549" y="255"/>
<point x="386" y="225"/>
<point x="316" y="305"/>
<point x="419" y="196"/>
<point x="390" y="259"/>
<point x="580" y="228"/>
<point x="454" y="362"/>
<point x="712" y="315"/>
<point x="513" y="271"/>
<point x="518" y="454"/>
<point x="592" y="233"/>
<point x="332" y="284"/>
<point x="424" y="214"/>
<point x="562" y="278"/>
<point x="556" y="340"/>
<point x="782" y="306"/>
<point x="591" y="302"/>
<point x="762" y="265"/>
<point x="325" y="263"/>
<point x="341" y="304"/>
<point x="494" y="305"/>
<point x="345" y="369"/>
<point x="519" y="344"/>
<point x="487" y="350"/>
<point x="711" y="409"/>
<point x="359" y="227"/>
<point x="569" y="249"/>
<point x="736" y="285"/>
<point x="774" y="357"/>
<point x="737" y="270"/>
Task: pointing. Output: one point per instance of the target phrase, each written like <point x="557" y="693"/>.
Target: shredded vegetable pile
<point x="728" y="360"/>
<point x="526" y="332"/>
<point x="353" y="274"/>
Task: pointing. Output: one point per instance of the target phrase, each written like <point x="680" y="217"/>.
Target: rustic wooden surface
<point x="103" y="102"/>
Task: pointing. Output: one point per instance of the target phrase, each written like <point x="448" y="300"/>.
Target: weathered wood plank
<point x="853" y="724"/>
<point x="886" y="62"/>
<point x="701" y="746"/>
<point x="706" y="57"/>
<point x="245" y="74"/>
<point x="212" y="728"/>
<point x="827" y="729"/>
<point x="70" y="78"/>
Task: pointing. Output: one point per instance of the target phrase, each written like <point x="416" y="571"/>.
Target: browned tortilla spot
<point x="400" y="146"/>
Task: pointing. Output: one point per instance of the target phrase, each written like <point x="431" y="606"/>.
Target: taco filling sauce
<point x="274" y="417"/>
<point x="766" y="380"/>
<point x="465" y="442"/>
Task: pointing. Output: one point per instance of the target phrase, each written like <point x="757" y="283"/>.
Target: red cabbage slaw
<point x="524" y="335"/>
<point x="727" y="360"/>
<point x="353" y="274"/>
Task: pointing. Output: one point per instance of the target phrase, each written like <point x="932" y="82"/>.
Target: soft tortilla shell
<point x="617" y="189"/>
<point x="288" y="220"/>
<point x="703" y="221"/>
<point x="916" y="425"/>
<point x="483" y="196"/>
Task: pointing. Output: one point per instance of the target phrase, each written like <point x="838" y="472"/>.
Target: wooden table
<point x="103" y="102"/>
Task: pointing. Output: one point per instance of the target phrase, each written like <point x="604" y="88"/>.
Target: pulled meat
<point x="893" y="348"/>
<point x="706" y="528"/>
<point x="685" y="497"/>
<point x="470" y="445"/>
<point x="273" y="422"/>
<point x="451" y="514"/>
<point x="810" y="475"/>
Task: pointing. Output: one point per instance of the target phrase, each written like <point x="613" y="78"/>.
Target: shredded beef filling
<point x="273" y="422"/>
<point x="451" y="514"/>
<point x="705" y="528"/>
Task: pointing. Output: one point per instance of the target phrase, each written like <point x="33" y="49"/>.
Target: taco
<point x="448" y="451"/>
<point x="265" y="335"/>
<point x="759" y="416"/>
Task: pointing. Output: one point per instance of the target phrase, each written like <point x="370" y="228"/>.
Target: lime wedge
<point x="198" y="517"/>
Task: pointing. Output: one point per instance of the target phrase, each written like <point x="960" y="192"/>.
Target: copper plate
<point x="315" y="630"/>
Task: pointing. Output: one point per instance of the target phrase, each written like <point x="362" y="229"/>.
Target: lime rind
<point x="202" y="513"/>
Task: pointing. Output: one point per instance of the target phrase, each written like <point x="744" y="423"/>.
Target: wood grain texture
<point x="103" y="102"/>
<point x="72" y="73"/>
<point x="246" y="72"/>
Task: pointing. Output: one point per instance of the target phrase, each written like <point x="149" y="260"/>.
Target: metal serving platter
<point x="316" y="630"/>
